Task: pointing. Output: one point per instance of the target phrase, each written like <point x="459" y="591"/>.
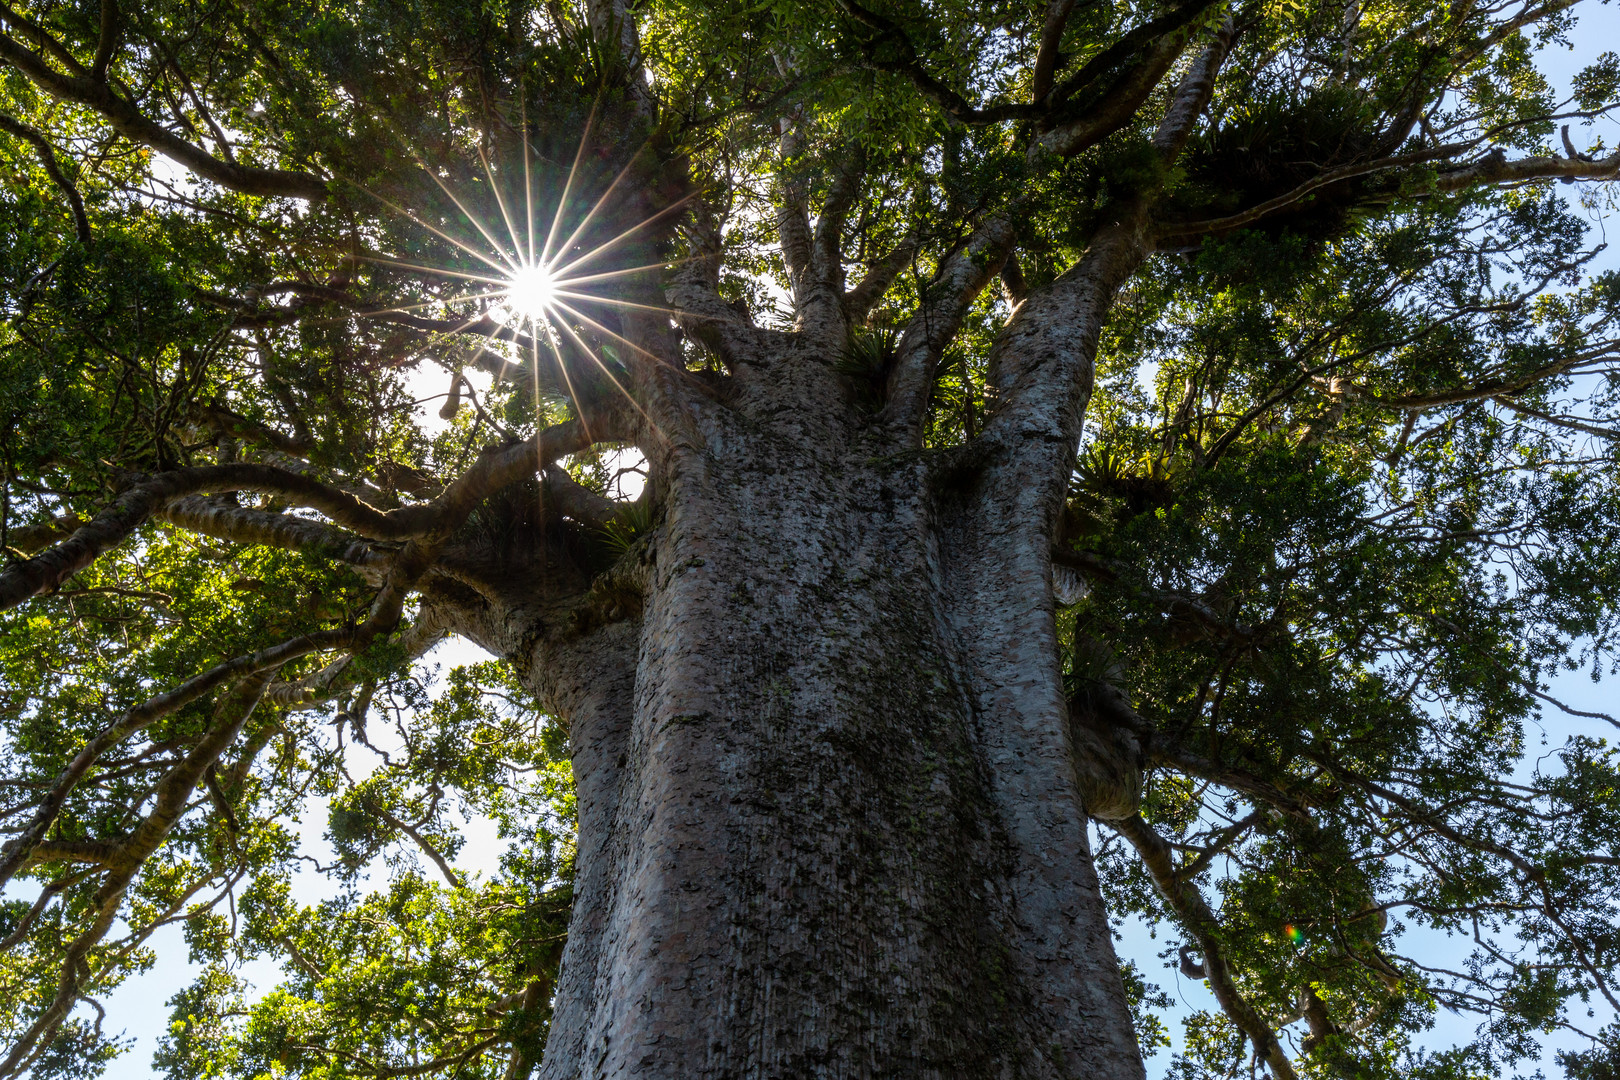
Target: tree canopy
<point x="1346" y="499"/>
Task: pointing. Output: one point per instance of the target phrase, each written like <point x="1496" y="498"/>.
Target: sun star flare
<point x="531" y="291"/>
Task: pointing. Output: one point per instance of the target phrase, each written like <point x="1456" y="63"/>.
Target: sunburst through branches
<point x="530" y="292"/>
<point x="539" y="289"/>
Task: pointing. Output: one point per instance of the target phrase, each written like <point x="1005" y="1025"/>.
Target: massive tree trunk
<point x="828" y="811"/>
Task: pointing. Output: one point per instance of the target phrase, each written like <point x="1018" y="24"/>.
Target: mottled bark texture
<point x="829" y="819"/>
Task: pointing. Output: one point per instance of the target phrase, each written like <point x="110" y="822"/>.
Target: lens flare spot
<point x="1293" y="934"/>
<point x="531" y="291"/>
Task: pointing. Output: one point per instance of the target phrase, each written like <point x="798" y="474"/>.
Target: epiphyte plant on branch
<point x="796" y="753"/>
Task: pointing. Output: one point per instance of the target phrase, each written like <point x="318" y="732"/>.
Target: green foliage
<point x="1348" y="494"/>
<point x="80" y="1052"/>
<point x="1144" y="997"/>
<point x="421" y="959"/>
<point x="1339" y="584"/>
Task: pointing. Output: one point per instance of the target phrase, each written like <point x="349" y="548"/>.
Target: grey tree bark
<point x="830" y="821"/>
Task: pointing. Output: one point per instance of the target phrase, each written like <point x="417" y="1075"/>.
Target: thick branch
<point x="571" y="498"/>
<point x="174" y="790"/>
<point x="17" y="849"/>
<point x="945" y="302"/>
<point x="241" y="525"/>
<point x="495" y="469"/>
<point x="124" y="857"/>
<point x="1107" y="735"/>
<point x="1144" y="37"/>
<point x="1047" y="59"/>
<point x="1041" y="363"/>
<point x="814" y="258"/>
<point x="793" y="209"/>
<point x="96" y="852"/>
<point x="826" y="253"/>
<point x="1119" y="106"/>
<point x="82" y="88"/>
<point x="28" y="539"/>
<point x="107" y="41"/>
<point x="860" y="300"/>
<point x="47" y="158"/>
<point x="1014" y="287"/>
<point x="40" y="38"/>
<point x="613" y="24"/>
<point x="1264" y="791"/>
<point x="694" y="289"/>
<point x="1493" y="169"/>
<point x="1195" y="914"/>
<point x="1498" y="388"/>
<point x="138" y="503"/>
<point x="1193" y="95"/>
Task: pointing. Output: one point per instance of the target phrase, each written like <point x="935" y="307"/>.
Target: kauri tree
<point x="1191" y="421"/>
